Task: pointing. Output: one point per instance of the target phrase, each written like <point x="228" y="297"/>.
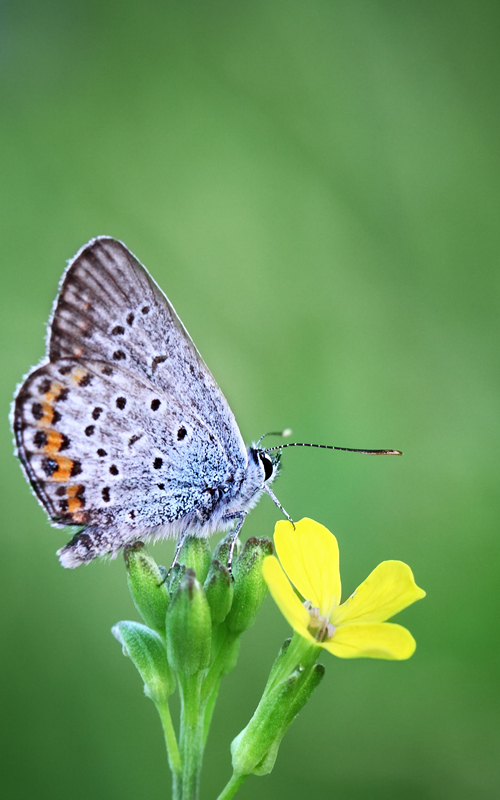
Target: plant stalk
<point x="174" y="758"/>
<point x="232" y="787"/>
<point x="191" y="735"/>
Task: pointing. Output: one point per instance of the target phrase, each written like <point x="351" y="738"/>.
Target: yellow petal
<point x="285" y="598"/>
<point x="309" y="554"/>
<point x="387" y="590"/>
<point x="371" y="640"/>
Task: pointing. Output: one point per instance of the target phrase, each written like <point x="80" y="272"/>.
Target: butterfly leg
<point x="277" y="502"/>
<point x="233" y="538"/>
<point x="180" y="542"/>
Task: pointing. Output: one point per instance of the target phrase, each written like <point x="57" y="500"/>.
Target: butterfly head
<point x="268" y="463"/>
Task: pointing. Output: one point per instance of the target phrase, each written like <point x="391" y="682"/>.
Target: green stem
<point x="232" y="786"/>
<point x="174" y="758"/>
<point x="214" y="673"/>
<point x="209" y="710"/>
<point x="191" y="738"/>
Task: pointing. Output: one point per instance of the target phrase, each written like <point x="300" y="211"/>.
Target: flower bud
<point x="255" y="749"/>
<point x="219" y="591"/>
<point x="195" y="554"/>
<point x="253" y="743"/>
<point x="249" y="585"/>
<point x="298" y="702"/>
<point x="279" y="662"/>
<point x="221" y="552"/>
<point x="148" y="653"/>
<point x="174" y="577"/>
<point x="147" y="586"/>
<point x="189" y="627"/>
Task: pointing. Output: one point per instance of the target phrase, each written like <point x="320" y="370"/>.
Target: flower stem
<point x="214" y="673"/>
<point x="191" y="738"/>
<point x="174" y="758"/>
<point x="232" y="787"/>
<point x="209" y="710"/>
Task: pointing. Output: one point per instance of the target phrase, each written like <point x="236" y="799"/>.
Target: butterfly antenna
<point x="332" y="447"/>
<point x="286" y="432"/>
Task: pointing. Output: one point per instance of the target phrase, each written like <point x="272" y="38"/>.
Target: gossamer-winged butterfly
<point x="122" y="428"/>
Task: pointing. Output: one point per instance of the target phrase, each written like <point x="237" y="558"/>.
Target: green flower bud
<point x="301" y="697"/>
<point x="221" y="552"/>
<point x="255" y="749"/>
<point x="195" y="554"/>
<point x="174" y="577"/>
<point x="148" y="653"/>
<point x="251" y="746"/>
<point x="219" y="591"/>
<point x="189" y="627"/>
<point x="147" y="586"/>
<point x="249" y="585"/>
<point x="279" y="662"/>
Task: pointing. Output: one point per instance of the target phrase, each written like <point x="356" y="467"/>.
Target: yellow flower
<point x="309" y="556"/>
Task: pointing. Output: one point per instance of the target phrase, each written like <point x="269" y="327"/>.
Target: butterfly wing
<point x="123" y="429"/>
<point x="102" y="447"/>
<point x="109" y="308"/>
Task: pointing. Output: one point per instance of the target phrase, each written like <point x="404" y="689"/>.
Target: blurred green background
<point x="316" y="187"/>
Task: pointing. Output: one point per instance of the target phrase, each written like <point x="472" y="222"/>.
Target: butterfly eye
<point x="267" y="464"/>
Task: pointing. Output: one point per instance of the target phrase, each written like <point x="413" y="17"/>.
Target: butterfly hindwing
<point x="99" y="445"/>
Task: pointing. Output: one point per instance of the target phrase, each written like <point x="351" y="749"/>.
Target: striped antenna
<point x="286" y="432"/>
<point x="331" y="447"/>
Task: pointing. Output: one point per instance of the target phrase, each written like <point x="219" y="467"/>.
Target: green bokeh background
<point x="316" y="187"/>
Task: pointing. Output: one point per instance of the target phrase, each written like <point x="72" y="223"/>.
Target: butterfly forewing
<point x="109" y="308"/>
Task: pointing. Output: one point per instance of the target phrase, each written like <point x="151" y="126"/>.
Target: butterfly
<point x="122" y="429"/>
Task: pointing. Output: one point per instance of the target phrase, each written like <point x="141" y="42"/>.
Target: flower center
<point x="319" y="626"/>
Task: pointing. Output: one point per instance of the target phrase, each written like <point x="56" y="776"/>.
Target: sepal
<point x="189" y="626"/>
<point x="174" y="576"/>
<point x="255" y="749"/>
<point x="195" y="554"/>
<point x="301" y="698"/>
<point x="147" y="586"/>
<point x="249" y="585"/>
<point x="147" y="651"/>
<point x="219" y="590"/>
<point x="223" y="549"/>
<point x="253" y="743"/>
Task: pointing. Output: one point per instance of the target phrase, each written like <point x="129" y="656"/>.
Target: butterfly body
<point x="122" y="427"/>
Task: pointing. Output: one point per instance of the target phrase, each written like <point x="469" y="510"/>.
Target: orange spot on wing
<point x="48" y="414"/>
<point x="74" y="502"/>
<point x="48" y="405"/>
<point x="78" y="374"/>
<point x="54" y="392"/>
<point x="54" y="442"/>
<point x="64" y="468"/>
